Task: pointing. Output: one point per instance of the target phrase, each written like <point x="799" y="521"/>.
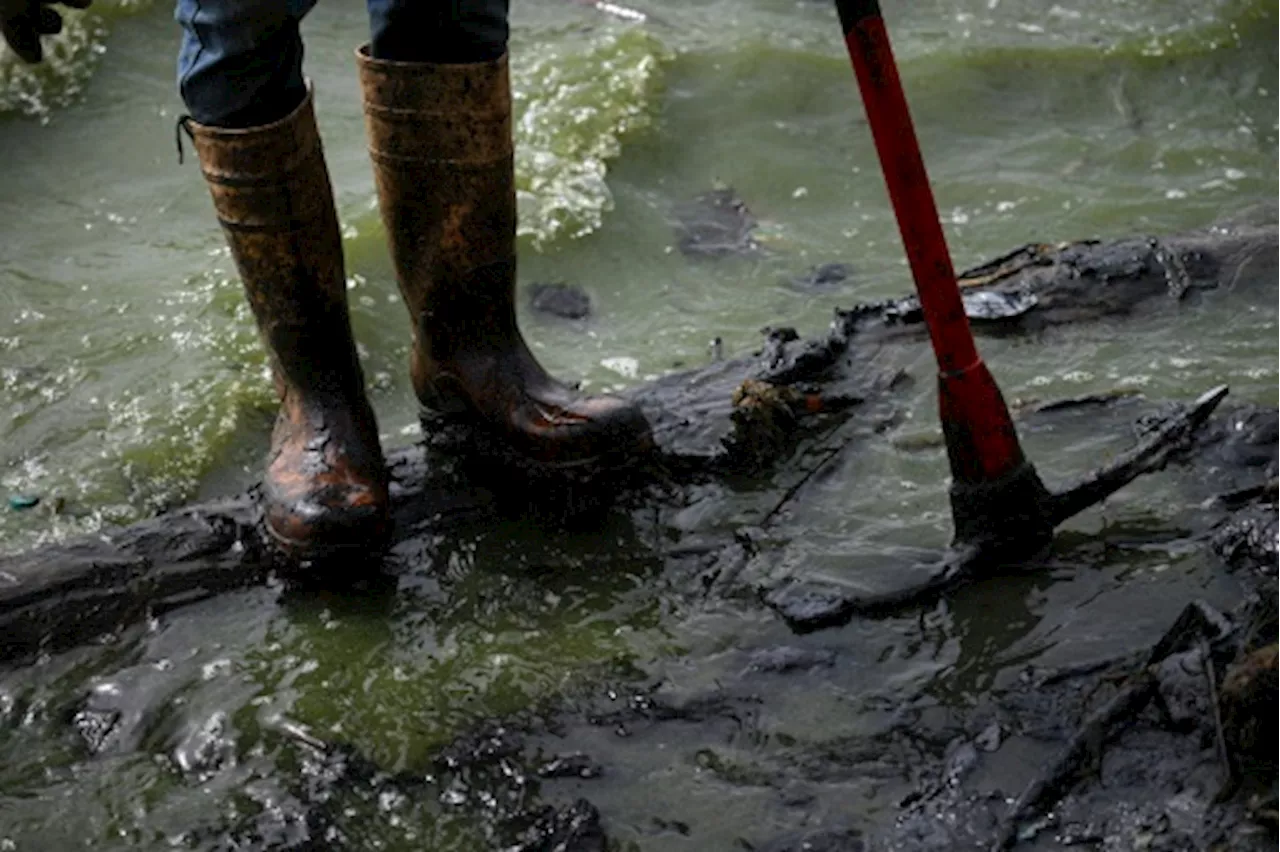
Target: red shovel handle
<point x="904" y="172"/>
<point x="981" y="442"/>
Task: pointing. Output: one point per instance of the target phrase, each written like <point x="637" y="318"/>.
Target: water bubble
<point x="107" y="689"/>
<point x="623" y="366"/>
<point x="453" y="796"/>
<point x="215" y="668"/>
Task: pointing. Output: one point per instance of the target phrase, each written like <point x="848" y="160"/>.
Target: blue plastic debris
<point x="18" y="502"/>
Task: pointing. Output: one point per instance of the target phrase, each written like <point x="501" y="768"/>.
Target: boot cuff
<point x="480" y="88"/>
<point x="422" y="111"/>
<point x="257" y="152"/>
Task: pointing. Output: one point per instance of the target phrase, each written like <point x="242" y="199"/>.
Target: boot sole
<point x="298" y="551"/>
<point x="617" y="457"/>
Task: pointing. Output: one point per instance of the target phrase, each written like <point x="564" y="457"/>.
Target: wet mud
<point x="1133" y="749"/>
<point x="489" y="776"/>
<point x="1160" y="747"/>
<point x="1167" y="748"/>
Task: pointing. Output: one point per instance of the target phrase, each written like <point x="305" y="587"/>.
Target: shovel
<point x="1001" y="510"/>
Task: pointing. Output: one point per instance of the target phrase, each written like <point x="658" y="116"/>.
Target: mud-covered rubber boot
<point x="440" y="140"/>
<point x="325" y="488"/>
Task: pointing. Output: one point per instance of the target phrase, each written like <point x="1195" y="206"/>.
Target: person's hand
<point x="23" y="22"/>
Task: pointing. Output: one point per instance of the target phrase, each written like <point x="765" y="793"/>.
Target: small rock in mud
<point x="576" y="765"/>
<point x="779" y="336"/>
<point x="826" y="276"/>
<point x="997" y="306"/>
<point x="95" y="727"/>
<point x="483" y="747"/>
<point x="1248" y="540"/>
<point x="788" y="658"/>
<point x="806" y="607"/>
<point x="774" y="353"/>
<point x="207" y="746"/>
<point x="962" y="760"/>
<point x="575" y="828"/>
<point x="715" y="224"/>
<point x="562" y="300"/>
<point x="118" y="712"/>
<point x="1251" y="438"/>
<point x="990" y="738"/>
<point x="1182" y="686"/>
<point x="823" y="840"/>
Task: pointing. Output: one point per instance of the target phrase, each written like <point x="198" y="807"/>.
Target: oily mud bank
<point x="1164" y="747"/>
<point x="1159" y="746"/>
<point x="789" y="405"/>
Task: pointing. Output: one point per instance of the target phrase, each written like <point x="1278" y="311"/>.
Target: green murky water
<point x="131" y="379"/>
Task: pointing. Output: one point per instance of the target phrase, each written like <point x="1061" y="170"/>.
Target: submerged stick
<point x="975" y="560"/>
<point x="1198" y="623"/>
<point x="829" y="455"/>
<point x="1056" y="779"/>
<point x="1232" y="778"/>
<point x="1150" y="455"/>
<point x="807" y="606"/>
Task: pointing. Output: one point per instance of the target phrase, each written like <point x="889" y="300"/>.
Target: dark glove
<point x="23" y="22"/>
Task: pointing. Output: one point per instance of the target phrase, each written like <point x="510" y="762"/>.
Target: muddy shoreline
<point x="1167" y="747"/>
<point x="706" y="427"/>
<point x="1146" y="739"/>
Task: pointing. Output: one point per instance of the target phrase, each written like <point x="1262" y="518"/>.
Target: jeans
<point x="240" y="64"/>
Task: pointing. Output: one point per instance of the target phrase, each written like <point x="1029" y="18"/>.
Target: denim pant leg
<point x="442" y="31"/>
<point x="240" y="64"/>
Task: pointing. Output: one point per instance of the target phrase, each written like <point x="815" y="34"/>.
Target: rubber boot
<point x="440" y="140"/>
<point x="325" y="487"/>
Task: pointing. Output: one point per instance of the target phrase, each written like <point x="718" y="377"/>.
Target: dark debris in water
<point x="575" y="765"/>
<point x="566" y="301"/>
<point x="821" y="278"/>
<point x="782" y="659"/>
<point x="807" y="605"/>
<point x="716" y="223"/>
<point x="574" y="828"/>
<point x="489" y="777"/>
